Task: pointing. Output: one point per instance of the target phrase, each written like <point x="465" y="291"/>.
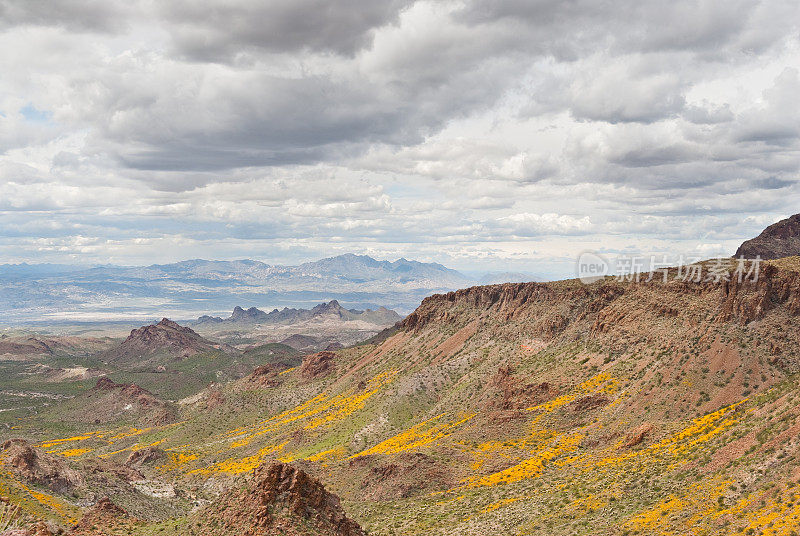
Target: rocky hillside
<point x="150" y="344"/>
<point x="779" y="240"/>
<point x="19" y="346"/>
<point x="559" y="408"/>
<point x="110" y="402"/>
<point x="30" y="347"/>
<point x="62" y="483"/>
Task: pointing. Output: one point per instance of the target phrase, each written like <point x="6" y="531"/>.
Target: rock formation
<point x="279" y="499"/>
<point x="317" y="365"/>
<point x="779" y="240"/>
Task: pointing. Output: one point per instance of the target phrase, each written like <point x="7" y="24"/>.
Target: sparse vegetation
<point x="618" y="421"/>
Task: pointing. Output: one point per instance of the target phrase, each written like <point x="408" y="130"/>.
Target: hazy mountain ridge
<point x="30" y="292"/>
<point x="381" y="316"/>
<point x="326" y="325"/>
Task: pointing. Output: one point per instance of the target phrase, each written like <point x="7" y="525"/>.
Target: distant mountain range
<point x="325" y="326"/>
<point x="187" y="289"/>
<point x="286" y="316"/>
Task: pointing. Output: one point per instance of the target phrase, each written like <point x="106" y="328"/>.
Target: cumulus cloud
<point x="527" y="224"/>
<point x="449" y="130"/>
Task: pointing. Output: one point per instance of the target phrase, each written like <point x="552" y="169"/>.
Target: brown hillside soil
<point x="215" y="399"/>
<point x="408" y="475"/>
<point x="455" y="342"/>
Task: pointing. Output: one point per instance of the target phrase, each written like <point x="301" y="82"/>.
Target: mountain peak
<point x="252" y="314"/>
<point x="167" y="323"/>
<point x="333" y="304"/>
<point x="781" y="239"/>
<point x="165" y="337"/>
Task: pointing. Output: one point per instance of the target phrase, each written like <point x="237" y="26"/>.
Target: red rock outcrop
<point x="635" y="437"/>
<point x="264" y="376"/>
<point x="145" y="456"/>
<point x="279" y="499"/>
<point x="509" y="394"/>
<point x="215" y="399"/>
<point x="747" y="300"/>
<point x="590" y="402"/>
<point x="317" y="365"/>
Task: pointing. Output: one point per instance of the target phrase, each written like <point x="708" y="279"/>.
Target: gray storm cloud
<point x="491" y="113"/>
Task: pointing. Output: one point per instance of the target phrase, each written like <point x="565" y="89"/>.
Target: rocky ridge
<point x="781" y="239"/>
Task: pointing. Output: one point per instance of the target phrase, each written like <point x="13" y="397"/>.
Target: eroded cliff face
<point x="610" y="311"/>
<point x="747" y="301"/>
<point x="509" y="298"/>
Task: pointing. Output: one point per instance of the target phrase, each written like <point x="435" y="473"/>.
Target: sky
<point x="485" y="135"/>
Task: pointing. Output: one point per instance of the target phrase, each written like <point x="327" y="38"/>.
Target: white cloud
<point x="460" y="131"/>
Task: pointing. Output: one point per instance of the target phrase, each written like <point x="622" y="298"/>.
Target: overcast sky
<point x="493" y="135"/>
